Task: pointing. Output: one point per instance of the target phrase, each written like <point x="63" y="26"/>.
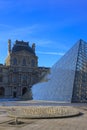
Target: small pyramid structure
<point x="67" y="80"/>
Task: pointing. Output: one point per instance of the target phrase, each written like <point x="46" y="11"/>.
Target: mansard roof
<point x="21" y="45"/>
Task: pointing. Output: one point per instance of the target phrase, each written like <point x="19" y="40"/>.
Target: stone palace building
<point x="20" y="71"/>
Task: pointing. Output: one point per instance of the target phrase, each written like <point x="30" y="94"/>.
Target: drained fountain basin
<point x="42" y="111"/>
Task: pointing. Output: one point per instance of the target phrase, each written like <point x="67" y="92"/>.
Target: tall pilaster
<point x="33" y="47"/>
<point x="9" y="46"/>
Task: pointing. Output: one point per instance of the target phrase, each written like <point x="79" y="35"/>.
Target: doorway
<point x="2" y="92"/>
<point x="24" y="90"/>
<point x="14" y="94"/>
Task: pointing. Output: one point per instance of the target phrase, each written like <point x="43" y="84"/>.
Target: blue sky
<point x="54" y="25"/>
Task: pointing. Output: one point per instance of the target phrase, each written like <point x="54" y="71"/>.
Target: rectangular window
<point x="0" y="69"/>
<point x="1" y="79"/>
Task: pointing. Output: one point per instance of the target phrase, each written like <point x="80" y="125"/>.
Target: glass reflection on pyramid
<point x="67" y="79"/>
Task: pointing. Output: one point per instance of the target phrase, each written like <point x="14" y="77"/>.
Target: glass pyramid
<point x="67" y="80"/>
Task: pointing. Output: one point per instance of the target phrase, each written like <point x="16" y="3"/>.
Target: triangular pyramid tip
<point x="81" y="40"/>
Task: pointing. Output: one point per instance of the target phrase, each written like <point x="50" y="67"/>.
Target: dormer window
<point x="24" y="62"/>
<point x="14" y="61"/>
<point x="33" y="63"/>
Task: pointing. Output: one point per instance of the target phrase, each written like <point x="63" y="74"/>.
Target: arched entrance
<point x="24" y="90"/>
<point x="2" y="92"/>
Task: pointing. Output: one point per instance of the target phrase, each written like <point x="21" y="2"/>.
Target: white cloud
<point x="43" y="42"/>
<point x="31" y="33"/>
<point x="22" y="33"/>
<point x="50" y="53"/>
<point x="5" y="26"/>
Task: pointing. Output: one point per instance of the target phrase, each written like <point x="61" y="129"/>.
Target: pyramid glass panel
<point x="80" y="82"/>
<point x="67" y="80"/>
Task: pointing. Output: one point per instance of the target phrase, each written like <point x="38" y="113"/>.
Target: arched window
<point x="14" y="61"/>
<point x="24" y="90"/>
<point x="2" y="91"/>
<point x="24" y="62"/>
<point x="33" y="63"/>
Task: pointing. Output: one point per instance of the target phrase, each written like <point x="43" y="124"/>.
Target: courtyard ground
<point x="71" y="123"/>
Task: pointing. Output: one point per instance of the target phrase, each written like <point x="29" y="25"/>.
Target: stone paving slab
<point x="4" y="118"/>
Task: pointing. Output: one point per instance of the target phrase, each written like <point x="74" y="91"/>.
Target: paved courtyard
<point x="71" y="123"/>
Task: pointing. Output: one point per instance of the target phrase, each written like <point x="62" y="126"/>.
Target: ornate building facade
<point x="20" y="70"/>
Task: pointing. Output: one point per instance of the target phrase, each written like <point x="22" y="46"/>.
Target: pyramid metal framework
<point x="67" y="80"/>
